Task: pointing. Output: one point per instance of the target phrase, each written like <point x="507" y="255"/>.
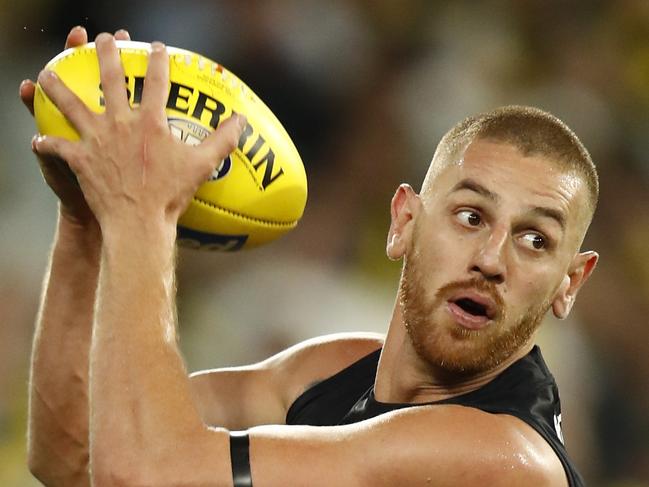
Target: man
<point x="455" y="394"/>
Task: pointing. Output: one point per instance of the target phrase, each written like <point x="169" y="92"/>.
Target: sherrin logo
<point x="192" y="133"/>
<point x="265" y="187"/>
<point x="258" y="155"/>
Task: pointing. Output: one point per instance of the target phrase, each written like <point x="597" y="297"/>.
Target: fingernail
<point x="23" y="82"/>
<point x="157" y="46"/>
<point x="77" y="27"/>
<point x="103" y="37"/>
<point x="46" y="74"/>
<point x="36" y="140"/>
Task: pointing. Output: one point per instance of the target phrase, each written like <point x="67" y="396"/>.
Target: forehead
<point x="514" y="177"/>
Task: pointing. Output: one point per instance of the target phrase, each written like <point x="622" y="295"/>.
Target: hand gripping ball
<point x="255" y="195"/>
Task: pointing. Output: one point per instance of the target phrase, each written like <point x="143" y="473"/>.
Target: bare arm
<point x="58" y="394"/>
<point x="238" y="398"/>
<point x="420" y="446"/>
<point x="137" y="189"/>
<point x="58" y="399"/>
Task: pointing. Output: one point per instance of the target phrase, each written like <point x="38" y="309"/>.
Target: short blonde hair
<point x="532" y="131"/>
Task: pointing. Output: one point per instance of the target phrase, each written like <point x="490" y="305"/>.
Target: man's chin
<point x="463" y="359"/>
<point x="459" y="351"/>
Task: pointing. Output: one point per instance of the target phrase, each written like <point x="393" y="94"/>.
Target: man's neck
<point x="404" y="377"/>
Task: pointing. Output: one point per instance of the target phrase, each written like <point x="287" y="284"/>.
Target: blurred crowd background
<point x="366" y="88"/>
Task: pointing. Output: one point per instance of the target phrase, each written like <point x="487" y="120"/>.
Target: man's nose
<point x="490" y="257"/>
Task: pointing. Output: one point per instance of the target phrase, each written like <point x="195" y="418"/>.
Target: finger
<point x="45" y="146"/>
<point x="34" y="139"/>
<point x="220" y="143"/>
<point x="66" y="101"/>
<point x="111" y="73"/>
<point x="76" y="37"/>
<point x="156" y="83"/>
<point x="122" y="35"/>
<point x="48" y="162"/>
<point x="26" y="91"/>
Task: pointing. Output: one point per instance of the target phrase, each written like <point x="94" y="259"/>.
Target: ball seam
<point x="260" y="221"/>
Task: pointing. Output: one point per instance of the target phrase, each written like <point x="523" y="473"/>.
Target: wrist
<point x="149" y="234"/>
<point x="80" y="237"/>
<point x="77" y="215"/>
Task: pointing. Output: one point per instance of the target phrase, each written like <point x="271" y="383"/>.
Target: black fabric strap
<point x="240" y="457"/>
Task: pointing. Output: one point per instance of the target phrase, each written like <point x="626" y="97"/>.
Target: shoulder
<point x="346" y="346"/>
<point x="337" y="351"/>
<point x="467" y="446"/>
<point x="300" y="366"/>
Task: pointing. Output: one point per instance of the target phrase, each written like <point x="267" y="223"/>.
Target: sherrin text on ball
<point x="254" y="196"/>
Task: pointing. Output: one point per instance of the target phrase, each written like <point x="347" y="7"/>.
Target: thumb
<point x="220" y="143"/>
<point x="45" y="146"/>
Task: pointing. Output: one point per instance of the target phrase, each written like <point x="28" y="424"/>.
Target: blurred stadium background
<point x="366" y="88"/>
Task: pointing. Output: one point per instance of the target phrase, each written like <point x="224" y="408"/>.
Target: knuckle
<point x="67" y="104"/>
<point x="120" y="124"/>
<point x="163" y="127"/>
<point x="113" y="75"/>
<point x="232" y="141"/>
<point x="155" y="121"/>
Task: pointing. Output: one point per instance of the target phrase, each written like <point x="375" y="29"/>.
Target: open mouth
<point x="472" y="307"/>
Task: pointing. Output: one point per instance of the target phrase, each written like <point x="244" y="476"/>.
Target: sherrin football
<point x="255" y="195"/>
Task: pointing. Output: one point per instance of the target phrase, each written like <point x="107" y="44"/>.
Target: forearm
<point x="141" y="406"/>
<point x="137" y="178"/>
<point x="58" y="397"/>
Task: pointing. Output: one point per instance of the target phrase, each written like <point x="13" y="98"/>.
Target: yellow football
<point x="255" y="195"/>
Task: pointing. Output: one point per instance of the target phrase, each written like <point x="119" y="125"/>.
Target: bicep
<point x="237" y="398"/>
<point x="240" y="397"/>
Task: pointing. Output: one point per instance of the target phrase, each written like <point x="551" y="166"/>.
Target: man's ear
<point x="580" y="269"/>
<point x="404" y="206"/>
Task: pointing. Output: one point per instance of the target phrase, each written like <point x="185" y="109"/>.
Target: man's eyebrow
<point x="543" y="211"/>
<point x="553" y="213"/>
<point x="473" y="185"/>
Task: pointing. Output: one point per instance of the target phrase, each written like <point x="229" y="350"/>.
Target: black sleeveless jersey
<point x="525" y="390"/>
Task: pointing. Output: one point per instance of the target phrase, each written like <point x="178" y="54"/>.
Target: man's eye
<point x="470" y="218"/>
<point x="534" y="241"/>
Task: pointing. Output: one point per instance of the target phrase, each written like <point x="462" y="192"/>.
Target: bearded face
<point x="489" y="248"/>
<point x="450" y="346"/>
